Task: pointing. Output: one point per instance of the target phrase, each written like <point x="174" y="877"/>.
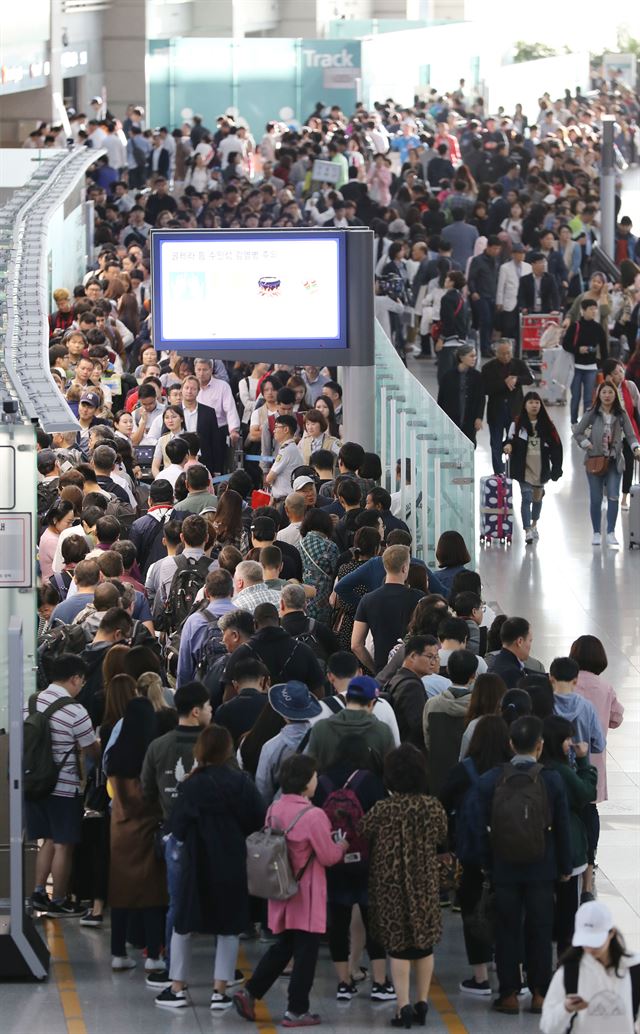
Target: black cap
<point x="264" y="529"/>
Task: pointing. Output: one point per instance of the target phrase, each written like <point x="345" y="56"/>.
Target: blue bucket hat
<point x="293" y="701"/>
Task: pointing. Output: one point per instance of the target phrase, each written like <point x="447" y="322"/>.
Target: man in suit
<point x="516" y="637"/>
<point x="538" y="290"/>
<point x="202" y="419"/>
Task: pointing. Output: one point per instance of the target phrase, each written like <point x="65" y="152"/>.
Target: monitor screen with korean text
<point x="238" y="288"/>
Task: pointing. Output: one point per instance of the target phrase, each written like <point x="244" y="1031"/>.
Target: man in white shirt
<point x="177" y="452"/>
<point x="507" y="294"/>
<point x="217" y="394"/>
<point x="295" y="508"/>
<point x="145" y="415"/>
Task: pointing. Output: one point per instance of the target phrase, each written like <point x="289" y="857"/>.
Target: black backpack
<point x="520" y="814"/>
<point x="310" y="638"/>
<point x="39" y="770"/>
<point x="61" y="583"/>
<point x="188" y="579"/>
<point x="59" y="639"/>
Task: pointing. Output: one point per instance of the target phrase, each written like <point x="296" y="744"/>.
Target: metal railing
<point x="413" y="434"/>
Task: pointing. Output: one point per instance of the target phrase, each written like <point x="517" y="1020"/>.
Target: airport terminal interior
<point x="389" y="124"/>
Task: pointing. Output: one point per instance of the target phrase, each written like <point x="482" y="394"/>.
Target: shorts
<point x="55" y="818"/>
<point x="411" y="954"/>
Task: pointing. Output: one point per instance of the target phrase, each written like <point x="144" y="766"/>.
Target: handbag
<point x="480" y="922"/>
<point x="269" y="873"/>
<point x="96" y="797"/>
<point x="597" y="465"/>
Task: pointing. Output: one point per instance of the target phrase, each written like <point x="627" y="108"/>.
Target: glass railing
<point x="413" y="434"/>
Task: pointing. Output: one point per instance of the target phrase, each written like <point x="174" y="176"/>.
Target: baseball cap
<point x="264" y="529"/>
<point x="592" y="925"/>
<point x="363" y="688"/>
<point x="301" y="481"/>
<point x="91" y="398"/>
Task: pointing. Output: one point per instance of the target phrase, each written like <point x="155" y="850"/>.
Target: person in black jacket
<point x="536" y="457"/>
<point x="503" y="378"/>
<point x="516" y="639"/>
<point x="454" y="322"/>
<point x="407" y="690"/>
<point x="483" y="287"/>
<point x="217" y="807"/>
<point x="586" y="341"/>
<point x="524" y="890"/>
<point x="538" y="290"/>
<point x="461" y="393"/>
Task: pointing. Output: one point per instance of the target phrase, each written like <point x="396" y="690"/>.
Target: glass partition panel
<point x="435" y="459"/>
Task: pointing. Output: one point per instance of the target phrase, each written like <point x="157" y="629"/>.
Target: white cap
<point x="592" y="925"/>
<point x="301" y="481"/>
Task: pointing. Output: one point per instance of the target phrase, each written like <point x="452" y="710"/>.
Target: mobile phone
<point x="337" y="836"/>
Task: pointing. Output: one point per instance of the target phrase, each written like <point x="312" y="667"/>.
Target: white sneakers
<point x="528" y="536"/>
<point x="119" y="962"/>
<point x="612" y="541"/>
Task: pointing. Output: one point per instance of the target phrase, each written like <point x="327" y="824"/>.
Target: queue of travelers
<point x="235" y="632"/>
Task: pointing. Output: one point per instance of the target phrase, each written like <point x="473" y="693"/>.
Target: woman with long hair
<point x="486" y="697"/>
<point x="227" y="522"/>
<point x="580" y="782"/>
<point x="403" y="884"/>
<point x="592" y="990"/>
<point x="613" y="371"/>
<point x="216" y="808"/>
<point x="137" y="879"/>
<point x="324" y="405"/>
<point x="600" y="433"/>
<point x="534" y="446"/>
<point x="489" y="746"/>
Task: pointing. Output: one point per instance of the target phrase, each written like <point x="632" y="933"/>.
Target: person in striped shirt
<point x="57" y="819"/>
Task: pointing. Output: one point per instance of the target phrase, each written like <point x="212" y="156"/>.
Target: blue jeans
<point x="584" y="381"/>
<point x="174" y="858"/>
<point x="531" y="504"/>
<point x="609" y="483"/>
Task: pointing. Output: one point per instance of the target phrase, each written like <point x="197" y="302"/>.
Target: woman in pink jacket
<point x="589" y="653"/>
<point x="299" y="921"/>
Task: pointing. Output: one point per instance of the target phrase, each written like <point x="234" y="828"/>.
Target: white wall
<point x="525" y="83"/>
<point x="391" y="61"/>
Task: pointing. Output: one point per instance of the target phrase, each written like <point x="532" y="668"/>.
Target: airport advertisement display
<point x="235" y="290"/>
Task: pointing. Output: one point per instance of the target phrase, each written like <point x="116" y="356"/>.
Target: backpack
<point x="520" y="815"/>
<point x="61" y="583"/>
<point x="124" y="512"/>
<point x="212" y="648"/>
<point x="466" y="825"/>
<point x="571" y="970"/>
<point x="39" y="770"/>
<point x="59" y="639"/>
<point x="269" y="872"/>
<point x="310" y="639"/>
<point x="345" y="812"/>
<point x="47" y="493"/>
<point x="188" y="579"/>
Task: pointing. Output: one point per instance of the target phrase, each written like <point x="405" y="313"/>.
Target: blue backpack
<point x="467" y="829"/>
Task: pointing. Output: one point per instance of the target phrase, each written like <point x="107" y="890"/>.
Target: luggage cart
<point x="532" y="327"/>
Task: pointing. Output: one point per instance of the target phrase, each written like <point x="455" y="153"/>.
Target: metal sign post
<point x="608" y="188"/>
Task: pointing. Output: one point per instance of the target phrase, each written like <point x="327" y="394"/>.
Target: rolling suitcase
<point x="496" y="508"/>
<point x="634" y="512"/>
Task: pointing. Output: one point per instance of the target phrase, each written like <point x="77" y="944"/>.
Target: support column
<point x="125" y="48"/>
<point x="608" y="188"/>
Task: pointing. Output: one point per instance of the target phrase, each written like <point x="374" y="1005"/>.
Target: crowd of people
<point x="235" y="633"/>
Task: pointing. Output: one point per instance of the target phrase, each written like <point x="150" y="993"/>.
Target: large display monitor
<point x="235" y="290"/>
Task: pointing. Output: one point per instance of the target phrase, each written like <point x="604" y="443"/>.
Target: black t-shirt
<point x="387" y="611"/>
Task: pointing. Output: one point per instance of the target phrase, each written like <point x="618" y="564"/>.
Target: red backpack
<point x="345" y="812"/>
